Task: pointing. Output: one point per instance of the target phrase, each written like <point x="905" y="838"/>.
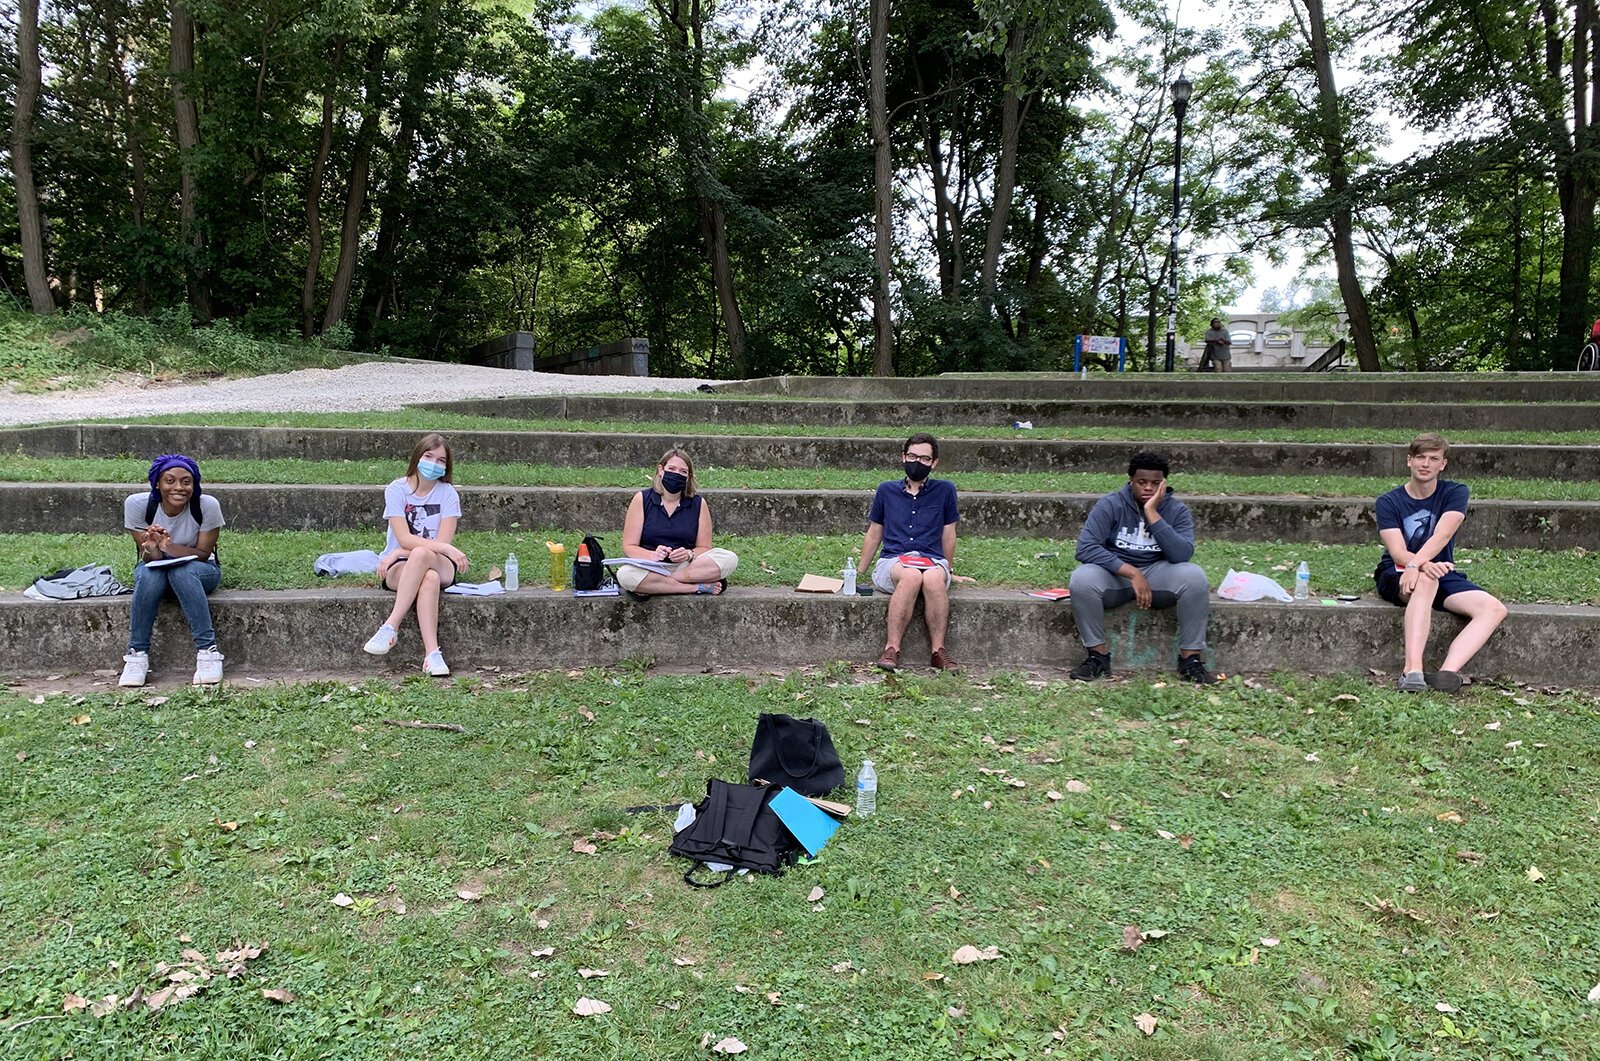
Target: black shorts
<point x="1388" y="579"/>
<point x="397" y="561"/>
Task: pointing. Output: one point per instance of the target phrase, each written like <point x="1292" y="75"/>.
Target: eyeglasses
<point x="919" y="458"/>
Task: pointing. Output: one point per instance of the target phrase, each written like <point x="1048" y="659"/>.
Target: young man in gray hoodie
<point x="1136" y="546"/>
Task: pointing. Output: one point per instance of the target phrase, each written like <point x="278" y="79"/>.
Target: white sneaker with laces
<point x="135" y="669"/>
<point x="208" y="666"/>
<point x="435" y="664"/>
<point x="381" y="642"/>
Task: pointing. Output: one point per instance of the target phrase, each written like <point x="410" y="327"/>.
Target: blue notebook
<point x="810" y="824"/>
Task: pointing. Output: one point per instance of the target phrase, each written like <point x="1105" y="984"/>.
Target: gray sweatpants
<point x="1095" y="590"/>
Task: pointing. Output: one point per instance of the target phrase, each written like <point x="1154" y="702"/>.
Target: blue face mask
<point x="430" y="470"/>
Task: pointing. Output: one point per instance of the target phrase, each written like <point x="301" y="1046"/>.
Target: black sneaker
<point x="1193" y="669"/>
<point x="1094" y="667"/>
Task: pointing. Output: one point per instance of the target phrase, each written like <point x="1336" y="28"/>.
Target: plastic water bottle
<point x="512" y="581"/>
<point x="867" y="790"/>
<point x="849" y="576"/>
<point x="1302" y="581"/>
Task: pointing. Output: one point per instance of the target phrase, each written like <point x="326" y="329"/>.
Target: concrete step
<point x="1275" y="387"/>
<point x="1112" y="411"/>
<point x="97" y="507"/>
<point x="582" y="450"/>
<point x="323" y="630"/>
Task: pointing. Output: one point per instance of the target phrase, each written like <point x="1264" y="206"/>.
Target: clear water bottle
<point x="867" y="790"/>
<point x="512" y="581"/>
<point x="849" y="576"/>
<point x="1302" y="581"/>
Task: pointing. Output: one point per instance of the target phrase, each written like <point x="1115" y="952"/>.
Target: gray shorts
<point x="883" y="582"/>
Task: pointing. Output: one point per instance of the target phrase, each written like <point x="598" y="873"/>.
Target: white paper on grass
<point x="1247" y="585"/>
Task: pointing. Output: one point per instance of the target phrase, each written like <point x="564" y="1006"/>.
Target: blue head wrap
<point x="175" y="460"/>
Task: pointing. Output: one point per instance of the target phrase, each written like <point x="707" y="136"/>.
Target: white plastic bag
<point x="1247" y="585"/>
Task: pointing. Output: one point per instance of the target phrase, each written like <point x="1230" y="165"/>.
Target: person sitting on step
<point x="419" y="562"/>
<point x="1135" y="546"/>
<point x="670" y="523"/>
<point x="914" y="518"/>
<point x="1417" y="523"/>
<point x="174" y="526"/>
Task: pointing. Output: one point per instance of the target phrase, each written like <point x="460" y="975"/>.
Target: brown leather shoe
<point x="890" y="660"/>
<point x="941" y="661"/>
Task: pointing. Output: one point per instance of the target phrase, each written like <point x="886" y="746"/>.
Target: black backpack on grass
<point x="734" y="826"/>
<point x="589" y="576"/>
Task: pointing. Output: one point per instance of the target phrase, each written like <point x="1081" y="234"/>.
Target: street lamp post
<point x="1181" y="89"/>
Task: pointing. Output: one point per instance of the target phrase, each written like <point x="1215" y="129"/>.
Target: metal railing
<point x="1331" y="358"/>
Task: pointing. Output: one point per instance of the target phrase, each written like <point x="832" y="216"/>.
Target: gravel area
<point x="369" y="386"/>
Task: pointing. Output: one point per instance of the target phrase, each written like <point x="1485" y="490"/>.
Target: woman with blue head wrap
<point x="174" y="527"/>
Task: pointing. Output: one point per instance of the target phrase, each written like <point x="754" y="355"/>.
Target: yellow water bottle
<point x="558" y="566"/>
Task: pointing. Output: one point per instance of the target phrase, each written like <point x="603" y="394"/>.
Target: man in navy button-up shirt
<point x="914" y="519"/>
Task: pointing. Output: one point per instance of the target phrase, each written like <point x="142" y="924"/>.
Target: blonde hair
<point x="689" y="487"/>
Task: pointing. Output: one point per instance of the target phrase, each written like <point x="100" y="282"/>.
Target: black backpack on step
<point x="590" y="575"/>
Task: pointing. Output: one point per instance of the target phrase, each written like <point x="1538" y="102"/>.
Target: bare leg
<point x="653" y="585"/>
<point x="907" y="584"/>
<point x="428" y="608"/>
<point x="935" y="606"/>
<point x="1418" y="621"/>
<point x="1485" y="613"/>
<point x="419" y="562"/>
<point x="700" y="569"/>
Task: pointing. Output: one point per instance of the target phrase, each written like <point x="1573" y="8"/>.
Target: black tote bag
<point x="796" y="753"/>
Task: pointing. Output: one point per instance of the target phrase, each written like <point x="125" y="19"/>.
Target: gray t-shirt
<point x="182" y="528"/>
<point x="1217" y="339"/>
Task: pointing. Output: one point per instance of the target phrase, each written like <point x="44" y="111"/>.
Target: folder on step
<point x="810" y="824"/>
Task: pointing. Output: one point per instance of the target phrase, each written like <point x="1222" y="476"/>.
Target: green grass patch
<point x="20" y="468"/>
<point x="1383" y="843"/>
<point x="421" y="420"/>
<point x="81" y="349"/>
<point x="282" y="560"/>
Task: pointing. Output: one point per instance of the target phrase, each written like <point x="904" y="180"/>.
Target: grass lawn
<point x="282" y="560"/>
<point x="21" y="468"/>
<point x="1317" y="870"/>
<point x="428" y="420"/>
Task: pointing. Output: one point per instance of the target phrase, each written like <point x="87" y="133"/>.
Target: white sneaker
<point x="435" y="665"/>
<point x="208" y="666"/>
<point x="381" y="642"/>
<point x="135" y="668"/>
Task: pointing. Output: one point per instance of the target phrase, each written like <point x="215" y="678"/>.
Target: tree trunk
<point x="1037" y="246"/>
<point x="355" y="200"/>
<point x="946" y="226"/>
<point x="1577" y="183"/>
<point x="1342" y="220"/>
<point x="1514" y="233"/>
<point x="187" y="120"/>
<point x="1005" y="178"/>
<point x="883" y="192"/>
<point x="118" y="49"/>
<point x="29" y="217"/>
<point x="319" y="165"/>
<point x="715" y="227"/>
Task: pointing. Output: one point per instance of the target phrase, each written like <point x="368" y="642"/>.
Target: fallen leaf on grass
<point x="1132" y="939"/>
<point x="968" y="954"/>
<point x="816" y="894"/>
<point x="933" y="976"/>
<point x="1472" y="858"/>
<point x="227" y="827"/>
<point x="79" y="720"/>
<point x="954" y="892"/>
<point x="590" y="974"/>
<point x="1384" y="906"/>
<point x="277" y="994"/>
<point x="583" y="847"/>
<point x="22" y="757"/>
<point x="1077" y="787"/>
<point x="1270" y="941"/>
<point x="842" y="967"/>
<point x="1594" y="993"/>
<point x="1445" y="1007"/>
<point x="103" y="1007"/>
<point x="1166" y="835"/>
<point x="682" y="962"/>
<point x="1449" y="816"/>
<point x="1146" y="1023"/>
<point x="1491" y="725"/>
<point x="468" y="896"/>
<point x="342" y="900"/>
<point x="1114" y="825"/>
<point x="586" y="713"/>
<point x="542" y="952"/>
<point x="73" y="1003"/>
<point x="1185" y="841"/>
<point x="1053" y="795"/>
<point x="730" y="1045"/>
<point x="589" y="1007"/>
<point x="956" y="1012"/>
<point x="1534" y="875"/>
<point x="1349" y="696"/>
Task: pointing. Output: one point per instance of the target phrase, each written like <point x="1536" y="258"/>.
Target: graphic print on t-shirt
<point x="1416" y="527"/>
<point x="1136" y="540"/>
<point x="417" y="517"/>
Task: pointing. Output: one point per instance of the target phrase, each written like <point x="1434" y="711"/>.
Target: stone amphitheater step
<point x="1276" y="387"/>
<point x="322" y="631"/>
<point x="578" y="449"/>
<point x="96" y="507"/>
<point x="1108" y="412"/>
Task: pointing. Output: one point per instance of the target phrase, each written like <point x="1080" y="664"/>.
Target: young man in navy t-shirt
<point x="914" y="519"/>
<point x="1417" y="523"/>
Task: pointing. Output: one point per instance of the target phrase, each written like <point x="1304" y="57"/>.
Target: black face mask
<point x="916" y="471"/>
<point x="674" y="482"/>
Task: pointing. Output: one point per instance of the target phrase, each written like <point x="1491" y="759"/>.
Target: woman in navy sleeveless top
<point x="670" y="524"/>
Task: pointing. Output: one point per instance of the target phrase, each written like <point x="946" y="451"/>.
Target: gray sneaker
<point x="1412" y="681"/>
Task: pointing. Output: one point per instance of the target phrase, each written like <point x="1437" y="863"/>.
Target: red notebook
<point x="1050" y="594"/>
<point x="918" y="561"/>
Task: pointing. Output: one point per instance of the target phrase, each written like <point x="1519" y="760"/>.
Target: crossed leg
<point x="419" y="581"/>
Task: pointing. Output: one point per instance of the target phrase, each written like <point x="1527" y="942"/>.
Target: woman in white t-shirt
<point x="418" y="560"/>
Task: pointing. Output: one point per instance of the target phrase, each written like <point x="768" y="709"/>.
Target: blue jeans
<point x="191" y="583"/>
